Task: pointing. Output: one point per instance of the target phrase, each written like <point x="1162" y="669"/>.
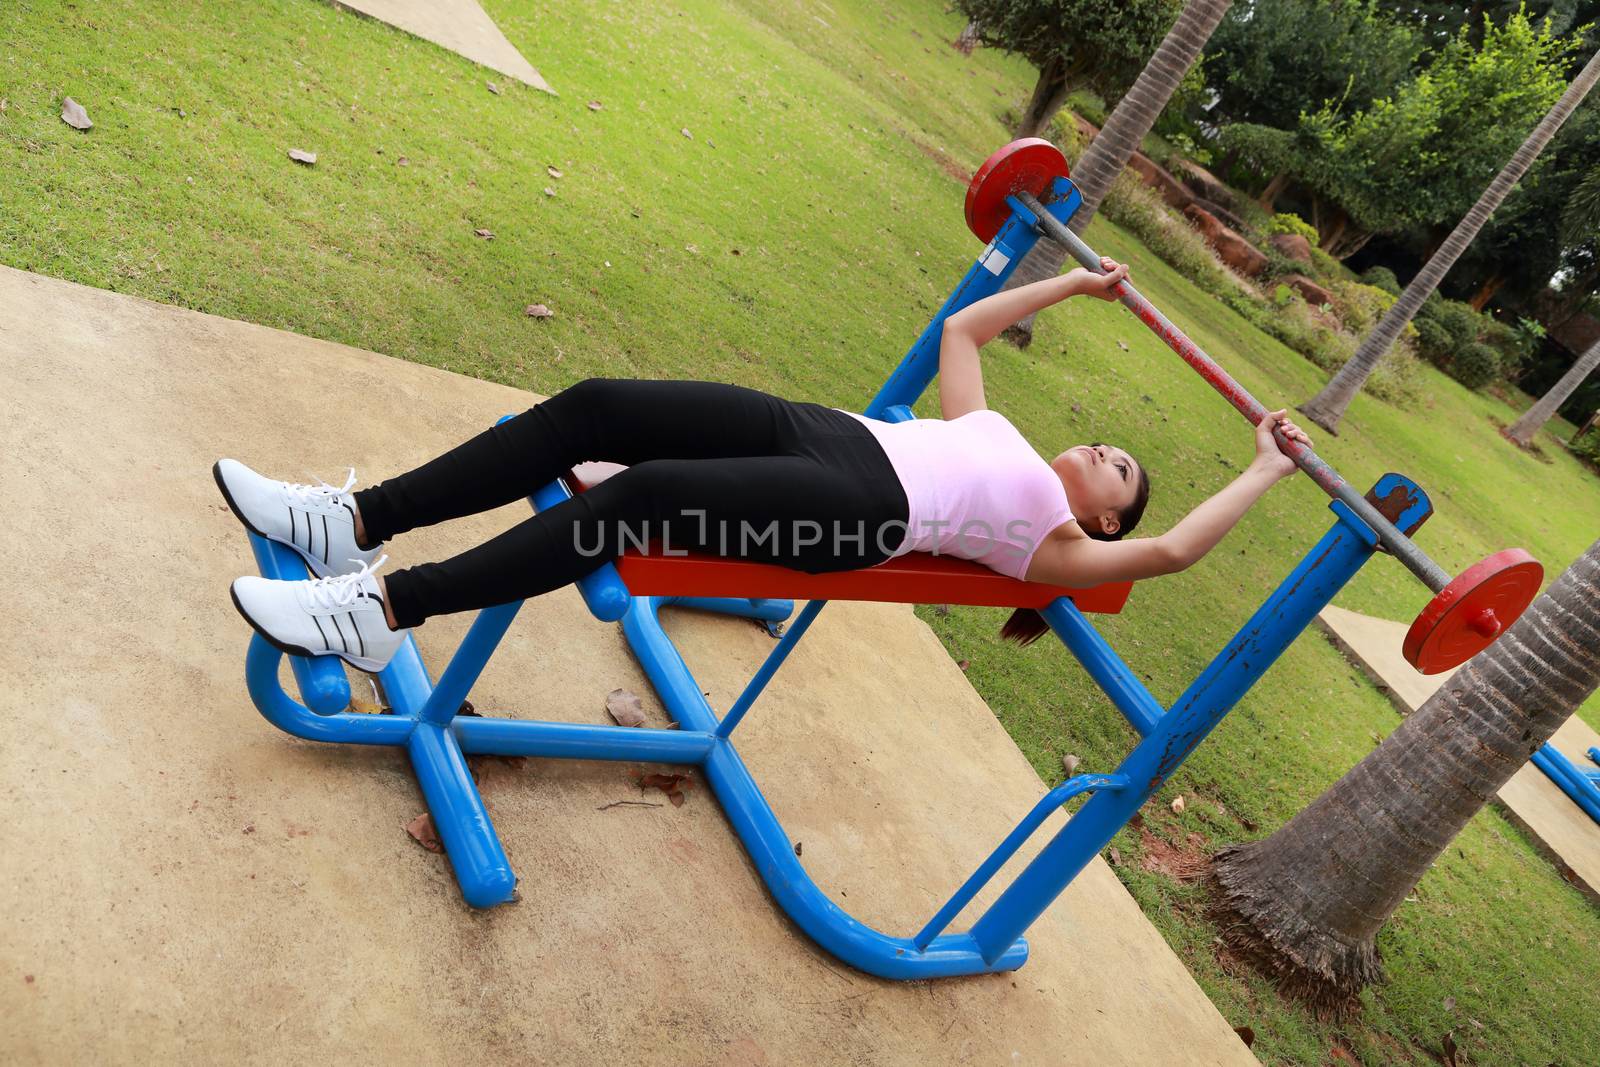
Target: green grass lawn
<point x="796" y="241"/>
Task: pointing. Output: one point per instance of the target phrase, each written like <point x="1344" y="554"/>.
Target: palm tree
<point x="1327" y="407"/>
<point x="1523" y="429"/>
<point x="1305" y="904"/>
<point x="1122" y="134"/>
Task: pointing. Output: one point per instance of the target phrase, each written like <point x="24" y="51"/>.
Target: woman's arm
<point x="1079" y="561"/>
<point x="960" y="375"/>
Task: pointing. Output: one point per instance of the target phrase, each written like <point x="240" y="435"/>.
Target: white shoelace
<point x="343" y="590"/>
<point x="319" y="495"/>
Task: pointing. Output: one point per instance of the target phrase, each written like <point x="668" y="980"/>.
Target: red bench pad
<point x="915" y="578"/>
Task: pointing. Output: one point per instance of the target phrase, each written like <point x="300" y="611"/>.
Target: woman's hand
<point x="1088" y="283"/>
<point x="1269" y="457"/>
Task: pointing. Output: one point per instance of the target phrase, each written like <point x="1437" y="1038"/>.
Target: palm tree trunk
<point x="1523" y="429"/>
<point x="1305" y="904"/>
<point x="1124" y="131"/>
<point x="1328" y="406"/>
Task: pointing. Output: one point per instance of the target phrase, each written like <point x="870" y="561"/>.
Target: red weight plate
<point x="1470" y="612"/>
<point x="1030" y="164"/>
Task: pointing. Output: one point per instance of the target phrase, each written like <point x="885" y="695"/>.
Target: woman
<point x="737" y="472"/>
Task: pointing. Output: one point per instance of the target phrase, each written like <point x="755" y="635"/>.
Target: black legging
<point x="792" y="483"/>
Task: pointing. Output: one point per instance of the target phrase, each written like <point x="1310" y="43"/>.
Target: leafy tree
<point x="1270" y="60"/>
<point x="1306" y="904"/>
<point x="1328" y="406"/>
<point x="1541" y="224"/>
<point x="1420" y="157"/>
<point x="1075" y="44"/>
<point x="1109" y="152"/>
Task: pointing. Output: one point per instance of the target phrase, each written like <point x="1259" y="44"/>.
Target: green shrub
<point x="1288" y="222"/>
<point x="1460" y="320"/>
<point x="1278" y="266"/>
<point x="1326" y="269"/>
<point x="1135" y="207"/>
<point x="1064" y="133"/>
<point x="1089" y="105"/>
<point x="1433" y="340"/>
<point x="1395" y="378"/>
<point x="1282" y="296"/>
<point x="1507" y="343"/>
<point x="1360" y="306"/>
<point x="1474" y="365"/>
<point x="1381" y="278"/>
<point x="1587" y="446"/>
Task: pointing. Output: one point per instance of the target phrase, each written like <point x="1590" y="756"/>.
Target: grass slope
<point x="795" y="241"/>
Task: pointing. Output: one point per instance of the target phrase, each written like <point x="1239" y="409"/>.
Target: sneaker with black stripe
<point x="317" y="521"/>
<point x="340" y="616"/>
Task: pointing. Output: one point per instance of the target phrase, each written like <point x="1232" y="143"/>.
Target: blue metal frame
<point x="1579" y="783"/>
<point x="438" y="740"/>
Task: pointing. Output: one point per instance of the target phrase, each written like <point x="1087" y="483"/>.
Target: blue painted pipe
<point x="323" y="684"/>
<point x="1104" y="666"/>
<point x="290" y="716"/>
<point x="459" y="817"/>
<point x="468" y="663"/>
<point x="986" y="277"/>
<point x="769" y="667"/>
<point x="1565" y="774"/>
<point x="1080" y="783"/>
<point x="770" y="848"/>
<point x="1288" y="611"/>
<point x="562" y="740"/>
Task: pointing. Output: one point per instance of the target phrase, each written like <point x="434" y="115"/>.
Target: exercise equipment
<point x="1467" y="613"/>
<point x="1581" y="784"/>
<point x="633" y="591"/>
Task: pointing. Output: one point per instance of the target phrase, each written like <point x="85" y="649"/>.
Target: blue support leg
<point x="1290" y="609"/>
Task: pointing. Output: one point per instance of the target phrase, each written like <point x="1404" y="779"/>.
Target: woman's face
<point x="1100" y="480"/>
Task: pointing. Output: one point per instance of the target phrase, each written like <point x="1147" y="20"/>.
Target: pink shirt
<point x="977" y="489"/>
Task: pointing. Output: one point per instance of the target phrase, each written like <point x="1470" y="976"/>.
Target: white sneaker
<point x="318" y="521"/>
<point x="340" y="616"/>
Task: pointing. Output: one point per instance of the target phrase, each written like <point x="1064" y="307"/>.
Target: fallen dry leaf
<point x="963" y="664"/>
<point x="1114" y="856"/>
<point x="487" y="235"/>
<point x="493" y="88"/>
<point x="671" y="784"/>
<point x="710" y="143"/>
<point x="1177" y="805"/>
<point x="422" y="832"/>
<point x="73" y="115"/>
<point x="553" y="172"/>
<point x="301" y="156"/>
<point x="1069" y="763"/>
<point x="625" y="707"/>
<point x="537" y="311"/>
<point x="549" y="191"/>
<point x="797" y="848"/>
<point x="402" y="162"/>
<point x="686" y="133"/>
<point x="595" y="105"/>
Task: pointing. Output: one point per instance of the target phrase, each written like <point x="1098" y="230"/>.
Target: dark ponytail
<point x="1025" y="626"/>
